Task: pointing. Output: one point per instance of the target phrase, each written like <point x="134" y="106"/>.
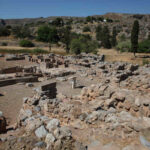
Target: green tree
<point x="4" y="31"/>
<point x="122" y="37"/>
<point x="83" y="43"/>
<point x="47" y="34"/>
<point x="42" y="33"/>
<point x="76" y="46"/>
<point x="100" y="19"/>
<point x="21" y="32"/>
<point x="148" y="37"/>
<point x="69" y="21"/>
<point x="114" y="40"/>
<point x="58" y="22"/>
<point x="134" y="36"/>
<point x="109" y="20"/>
<point x="67" y="37"/>
<point x="26" y="43"/>
<point x="99" y="33"/>
<point x="86" y="29"/>
<point x="90" y="47"/>
<point x="106" y="38"/>
<point x="144" y="46"/>
<point x="89" y="19"/>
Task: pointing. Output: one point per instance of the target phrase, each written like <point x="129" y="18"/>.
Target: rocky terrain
<point x="77" y="103"/>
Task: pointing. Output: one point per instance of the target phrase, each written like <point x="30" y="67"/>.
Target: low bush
<point x="76" y="46"/>
<point x="26" y="43"/>
<point x="34" y="51"/>
<point x="86" y="29"/>
<point x="124" y="46"/>
<point x="144" y="46"/>
<point x="4" y="44"/>
<point x="38" y="51"/>
<point x="4" y="31"/>
<point x="122" y="37"/>
<point x="145" y="61"/>
<point x="83" y="44"/>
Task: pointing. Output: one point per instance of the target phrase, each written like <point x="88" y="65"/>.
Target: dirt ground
<point x="6" y="64"/>
<point x="11" y="100"/>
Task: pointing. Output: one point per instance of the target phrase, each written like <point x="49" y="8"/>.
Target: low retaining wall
<point x="18" y="80"/>
<point x="11" y="70"/>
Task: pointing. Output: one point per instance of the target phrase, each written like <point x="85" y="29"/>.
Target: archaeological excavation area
<point x="82" y="102"/>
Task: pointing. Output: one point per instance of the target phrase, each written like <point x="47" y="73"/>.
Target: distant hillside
<point x="123" y="22"/>
<point x="114" y="16"/>
<point x="24" y="21"/>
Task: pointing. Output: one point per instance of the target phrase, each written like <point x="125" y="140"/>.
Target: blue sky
<point x="45" y="8"/>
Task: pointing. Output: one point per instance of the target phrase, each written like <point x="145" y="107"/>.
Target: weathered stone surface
<point x="41" y="132"/>
<point x="50" y="139"/>
<point x="32" y="124"/>
<point x="24" y="114"/>
<point x="53" y="124"/>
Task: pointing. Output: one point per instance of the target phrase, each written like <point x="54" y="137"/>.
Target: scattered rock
<point x="41" y="132"/>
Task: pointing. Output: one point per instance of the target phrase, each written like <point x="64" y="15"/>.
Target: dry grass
<point x="112" y="55"/>
<point x="55" y="50"/>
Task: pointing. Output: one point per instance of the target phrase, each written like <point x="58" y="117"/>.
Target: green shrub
<point x="122" y="37"/>
<point x="34" y="51"/>
<point x="21" y="32"/>
<point x="76" y="46"/>
<point x="38" y="51"/>
<point x="86" y="29"/>
<point x="58" y="22"/>
<point x="145" y="61"/>
<point x="47" y="34"/>
<point x="90" y="47"/>
<point x="144" y="46"/>
<point x="83" y="44"/>
<point x="4" y="44"/>
<point x="26" y="43"/>
<point x="109" y="20"/>
<point x="4" y="31"/>
<point x="124" y="46"/>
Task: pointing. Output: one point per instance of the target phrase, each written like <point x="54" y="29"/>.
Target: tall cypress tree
<point x="114" y="34"/>
<point x="106" y="38"/>
<point x="134" y="36"/>
<point x="99" y="33"/>
<point x="67" y="37"/>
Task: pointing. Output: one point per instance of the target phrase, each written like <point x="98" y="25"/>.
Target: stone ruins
<point x="105" y="106"/>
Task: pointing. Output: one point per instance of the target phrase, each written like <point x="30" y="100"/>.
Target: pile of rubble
<point x="35" y="118"/>
<point x="13" y="57"/>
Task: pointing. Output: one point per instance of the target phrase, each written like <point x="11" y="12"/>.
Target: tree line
<point x="57" y="31"/>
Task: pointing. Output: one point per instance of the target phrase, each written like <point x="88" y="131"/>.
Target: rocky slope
<point x="123" y="22"/>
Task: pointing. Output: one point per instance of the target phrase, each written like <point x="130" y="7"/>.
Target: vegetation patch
<point x="124" y="46"/>
<point x="83" y="44"/>
<point x="4" y="44"/>
<point x="86" y="29"/>
<point x="144" y="46"/>
<point x="26" y="43"/>
<point x="145" y="62"/>
<point x="34" y="51"/>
